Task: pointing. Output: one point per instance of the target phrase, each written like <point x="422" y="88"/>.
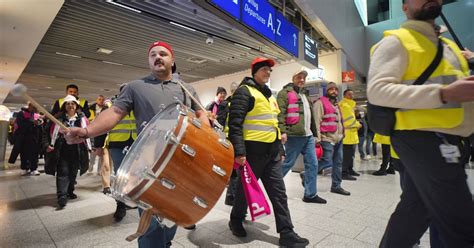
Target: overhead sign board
<point x="264" y="19"/>
<point x="308" y="54"/>
<point x="232" y="7"/>
<point x="286" y="34"/>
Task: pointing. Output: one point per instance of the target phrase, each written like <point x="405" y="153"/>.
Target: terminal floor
<point x="28" y="215"/>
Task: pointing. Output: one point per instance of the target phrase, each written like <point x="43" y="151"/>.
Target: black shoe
<point x="340" y="191"/>
<point x="120" y="212"/>
<point x="229" y="201"/>
<point x="106" y="191"/>
<point x="237" y="228"/>
<point x="315" y="199"/>
<point x="191" y="227"/>
<point x="380" y="172"/>
<point x="62" y="201"/>
<point x="71" y="196"/>
<point x="348" y="177"/>
<point x="292" y="239"/>
<point x="390" y="170"/>
<point x="302" y="178"/>
<point x="353" y="173"/>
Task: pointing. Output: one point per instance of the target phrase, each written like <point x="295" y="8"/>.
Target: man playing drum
<point x="146" y="97"/>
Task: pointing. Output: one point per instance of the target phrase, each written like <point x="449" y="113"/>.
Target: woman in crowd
<point x="70" y="158"/>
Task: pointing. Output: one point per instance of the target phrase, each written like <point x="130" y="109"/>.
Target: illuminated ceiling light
<point x="183" y="26"/>
<point x="68" y="55"/>
<point x="242" y="46"/>
<point x="112" y="63"/>
<point x="104" y="51"/>
<point x="123" y="6"/>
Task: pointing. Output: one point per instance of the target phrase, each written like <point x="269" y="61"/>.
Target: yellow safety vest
<point x="421" y="52"/>
<point x="351" y="125"/>
<point x="381" y="139"/>
<point x="261" y="123"/>
<point x="124" y="129"/>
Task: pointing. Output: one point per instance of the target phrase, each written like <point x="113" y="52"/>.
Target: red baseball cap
<point x="270" y="62"/>
<point x="162" y="44"/>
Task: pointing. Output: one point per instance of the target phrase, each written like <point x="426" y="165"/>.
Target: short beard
<point x="332" y="97"/>
<point x="428" y="14"/>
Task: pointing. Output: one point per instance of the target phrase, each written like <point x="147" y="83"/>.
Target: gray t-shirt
<point x="147" y="96"/>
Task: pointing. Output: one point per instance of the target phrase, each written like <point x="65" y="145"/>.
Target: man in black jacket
<point x="254" y="132"/>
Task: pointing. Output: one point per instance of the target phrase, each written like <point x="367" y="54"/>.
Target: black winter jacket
<point x="241" y="103"/>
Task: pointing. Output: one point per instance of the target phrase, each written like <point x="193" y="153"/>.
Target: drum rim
<point x="134" y="197"/>
<point x="148" y="184"/>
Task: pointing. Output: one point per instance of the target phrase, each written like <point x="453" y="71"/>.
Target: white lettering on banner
<point x="248" y="180"/>
<point x="236" y="1"/>
<point x="311" y="55"/>
<point x="256" y="209"/>
<point x="270" y="22"/>
<point x="278" y="27"/>
<point x="254" y="14"/>
<point x="254" y="4"/>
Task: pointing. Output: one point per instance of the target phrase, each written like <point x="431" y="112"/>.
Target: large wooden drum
<point x="178" y="167"/>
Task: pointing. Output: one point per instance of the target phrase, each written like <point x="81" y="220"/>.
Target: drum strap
<point x="143" y="225"/>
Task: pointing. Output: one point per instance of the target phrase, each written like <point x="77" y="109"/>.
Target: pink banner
<point x="256" y="200"/>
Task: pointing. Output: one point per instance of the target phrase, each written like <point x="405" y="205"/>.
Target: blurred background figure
<point x="213" y="107"/>
<point x="26" y="137"/>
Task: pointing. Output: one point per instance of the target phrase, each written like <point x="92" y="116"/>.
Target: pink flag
<point x="256" y="200"/>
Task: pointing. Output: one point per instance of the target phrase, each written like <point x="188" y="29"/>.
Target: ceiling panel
<point x="81" y="27"/>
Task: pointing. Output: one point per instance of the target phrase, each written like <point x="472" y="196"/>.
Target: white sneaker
<point x="25" y="173"/>
<point x="368" y="157"/>
<point x="35" y="173"/>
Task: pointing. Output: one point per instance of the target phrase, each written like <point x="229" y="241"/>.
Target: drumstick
<point x="190" y="95"/>
<point x="20" y="90"/>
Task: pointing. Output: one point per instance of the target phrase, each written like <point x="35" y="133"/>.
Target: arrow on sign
<point x="294" y="39"/>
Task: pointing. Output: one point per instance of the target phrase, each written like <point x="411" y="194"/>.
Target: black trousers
<point x="385" y="156"/>
<point x="433" y="192"/>
<point x="66" y="175"/>
<point x="232" y="187"/>
<point x="348" y="152"/>
<point x="266" y="168"/>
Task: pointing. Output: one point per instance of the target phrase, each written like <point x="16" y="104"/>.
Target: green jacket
<point x="296" y="129"/>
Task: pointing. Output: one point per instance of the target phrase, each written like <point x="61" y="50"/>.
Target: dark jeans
<point x="66" y="175"/>
<point x="348" y="158"/>
<point x="360" y="147"/>
<point x="269" y="171"/>
<point x="433" y="192"/>
<point x="369" y="145"/>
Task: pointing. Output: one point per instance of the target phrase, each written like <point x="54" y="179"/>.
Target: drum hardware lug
<point x="217" y="126"/>
<point x="143" y="205"/>
<point x="125" y="150"/>
<point x="149" y="174"/>
<point x="182" y="112"/>
<point x="224" y="142"/>
<point x="167" y="183"/>
<point x="196" y="122"/>
<point x="200" y="202"/>
<point x="164" y="222"/>
<point x="171" y="138"/>
<point x="188" y="150"/>
<point x="143" y="125"/>
<point x="218" y="170"/>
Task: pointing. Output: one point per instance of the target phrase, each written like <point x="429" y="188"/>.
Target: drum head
<point x="146" y="151"/>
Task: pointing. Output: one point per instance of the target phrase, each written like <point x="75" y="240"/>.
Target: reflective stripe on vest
<point x="261" y="123"/>
<point x="125" y="129"/>
<point x="329" y="122"/>
<point x="293" y="111"/>
<point x="421" y="52"/>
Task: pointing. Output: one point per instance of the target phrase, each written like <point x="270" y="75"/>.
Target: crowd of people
<point x="270" y="131"/>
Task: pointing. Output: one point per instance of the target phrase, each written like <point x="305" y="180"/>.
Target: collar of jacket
<point x="349" y="102"/>
<point x="251" y="82"/>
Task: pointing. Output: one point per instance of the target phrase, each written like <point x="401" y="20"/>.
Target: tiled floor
<point x="28" y="215"/>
